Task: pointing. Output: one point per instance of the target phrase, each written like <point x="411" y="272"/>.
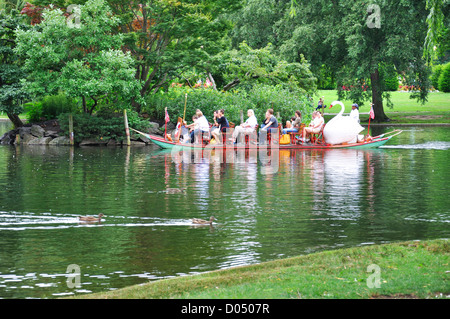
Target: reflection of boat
<point x="374" y="142"/>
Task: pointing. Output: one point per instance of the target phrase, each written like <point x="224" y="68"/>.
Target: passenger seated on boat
<point x="223" y="124"/>
<point x="247" y="127"/>
<point x="203" y="126"/>
<point x="289" y="123"/>
<point x="315" y="127"/>
<point x="296" y="123"/>
<point x="191" y="127"/>
<point x="270" y="123"/>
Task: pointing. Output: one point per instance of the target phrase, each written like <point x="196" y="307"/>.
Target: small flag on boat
<point x="371" y="113"/>
<point x="167" y="117"/>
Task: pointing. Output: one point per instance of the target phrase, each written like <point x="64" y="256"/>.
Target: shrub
<point x="390" y="77"/>
<point x="101" y="127"/>
<point x="34" y="111"/>
<point x="259" y="98"/>
<point x="391" y="83"/>
<point x="436" y="72"/>
<point x="49" y="107"/>
<point x="444" y="79"/>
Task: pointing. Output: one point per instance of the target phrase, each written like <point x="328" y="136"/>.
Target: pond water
<point x="318" y="200"/>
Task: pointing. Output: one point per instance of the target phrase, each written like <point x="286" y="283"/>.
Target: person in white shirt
<point x="315" y="126"/>
<point x="247" y="127"/>
<point x="202" y="125"/>
<point x="354" y="114"/>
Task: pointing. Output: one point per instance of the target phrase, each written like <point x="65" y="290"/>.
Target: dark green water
<point x="318" y="200"/>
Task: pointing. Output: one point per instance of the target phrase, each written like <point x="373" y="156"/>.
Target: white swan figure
<point x="341" y="129"/>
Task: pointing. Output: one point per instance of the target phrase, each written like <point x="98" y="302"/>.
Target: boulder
<point x="92" y="141"/>
<point x="37" y="131"/>
<point x="26" y="137"/>
<point x="24" y="130"/>
<point x="170" y="126"/>
<point x="142" y="138"/>
<point x="61" y="140"/>
<point x="136" y="143"/>
<point x="8" y="137"/>
<point x="40" y="141"/>
<point x="51" y="133"/>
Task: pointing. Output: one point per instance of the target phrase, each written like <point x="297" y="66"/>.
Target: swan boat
<point x="374" y="142"/>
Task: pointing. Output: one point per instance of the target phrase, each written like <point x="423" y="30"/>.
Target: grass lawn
<point x="405" y="270"/>
<point x="405" y="110"/>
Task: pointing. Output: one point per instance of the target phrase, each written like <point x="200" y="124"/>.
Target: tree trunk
<point x="14" y="118"/>
<point x="84" y="104"/>
<point x="377" y="98"/>
<point x="232" y="84"/>
<point x="212" y="80"/>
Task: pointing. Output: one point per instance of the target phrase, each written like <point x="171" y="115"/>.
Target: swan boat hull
<point x="376" y="142"/>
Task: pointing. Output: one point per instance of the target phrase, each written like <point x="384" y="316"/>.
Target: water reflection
<point x="316" y="200"/>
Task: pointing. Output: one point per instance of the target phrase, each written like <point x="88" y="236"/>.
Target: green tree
<point x="255" y="23"/>
<point x="12" y="94"/>
<point x="80" y="55"/>
<point x="246" y="67"/>
<point x="168" y="37"/>
<point x="436" y="28"/>
<point x="354" y="39"/>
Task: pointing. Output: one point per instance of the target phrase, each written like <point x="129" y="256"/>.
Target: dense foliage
<point x="435" y="74"/>
<point x="12" y="94"/>
<point x="102" y="127"/>
<point x="116" y="54"/>
<point x="49" y="107"/>
<point x="444" y="78"/>
<point x="259" y="98"/>
<point x="82" y="58"/>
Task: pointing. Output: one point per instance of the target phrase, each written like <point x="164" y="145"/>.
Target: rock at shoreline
<point x="8" y="138"/>
<point x="92" y="141"/>
<point x="37" y="131"/>
<point x="47" y="133"/>
<point x="26" y="137"/>
<point x="61" y="140"/>
<point x="40" y="141"/>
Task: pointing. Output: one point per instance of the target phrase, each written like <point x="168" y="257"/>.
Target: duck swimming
<point x="175" y="190"/>
<point x="199" y="221"/>
<point x="91" y="218"/>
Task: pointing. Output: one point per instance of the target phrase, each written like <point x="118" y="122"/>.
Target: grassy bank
<point x="410" y="269"/>
<point x="404" y="111"/>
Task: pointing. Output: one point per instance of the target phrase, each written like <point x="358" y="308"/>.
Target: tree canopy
<point x="355" y="40"/>
<point x="119" y="52"/>
<point x="84" y="58"/>
<point x="12" y="94"/>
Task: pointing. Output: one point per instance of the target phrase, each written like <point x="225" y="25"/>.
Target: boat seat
<point x="317" y="138"/>
<point x="294" y="135"/>
<point x="269" y="136"/>
<point x="247" y="136"/>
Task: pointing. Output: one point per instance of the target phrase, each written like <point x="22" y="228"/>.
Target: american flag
<point x="371" y="113"/>
<point x="167" y="117"/>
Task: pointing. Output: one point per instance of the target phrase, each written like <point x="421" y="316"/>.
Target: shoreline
<point x="412" y="269"/>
